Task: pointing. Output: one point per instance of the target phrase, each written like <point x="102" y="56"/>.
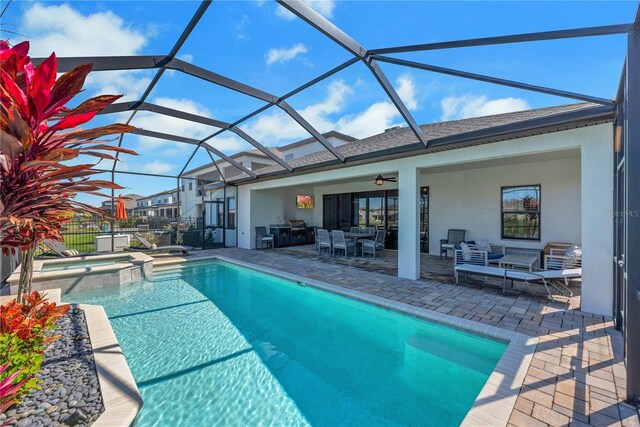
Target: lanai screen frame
<point x="626" y="106"/>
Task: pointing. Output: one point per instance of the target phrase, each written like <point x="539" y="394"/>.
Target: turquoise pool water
<point x="217" y="344"/>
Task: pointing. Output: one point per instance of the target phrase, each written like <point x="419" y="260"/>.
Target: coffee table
<point x="518" y="261"/>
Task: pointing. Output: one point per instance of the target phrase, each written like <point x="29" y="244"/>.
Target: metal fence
<point x="82" y="234"/>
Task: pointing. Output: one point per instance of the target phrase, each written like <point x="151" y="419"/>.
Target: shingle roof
<point x="404" y="138"/>
<point x="330" y="134"/>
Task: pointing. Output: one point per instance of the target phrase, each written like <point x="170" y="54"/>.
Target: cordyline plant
<point x="39" y="134"/>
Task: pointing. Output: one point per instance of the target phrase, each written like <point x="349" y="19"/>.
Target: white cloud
<point x="276" y="127"/>
<point x="466" y="106"/>
<point x="407" y="91"/>
<point x="283" y="55"/>
<point x="323" y="7"/>
<point x="66" y="31"/>
<point x="171" y="125"/>
<point x="157" y="167"/>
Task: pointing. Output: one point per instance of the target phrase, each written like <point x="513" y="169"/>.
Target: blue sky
<point x="261" y="44"/>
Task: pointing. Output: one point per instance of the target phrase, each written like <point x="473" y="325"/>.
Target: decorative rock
<point x="76" y="418"/>
<point x="70" y="389"/>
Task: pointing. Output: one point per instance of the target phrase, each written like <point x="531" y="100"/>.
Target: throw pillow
<point x="67" y="252"/>
<point x="572" y="257"/>
<point x="153" y="246"/>
<point x="74" y="252"/>
<point x="466" y="251"/>
<point x="483" y="245"/>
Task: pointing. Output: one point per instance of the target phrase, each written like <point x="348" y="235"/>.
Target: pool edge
<point x="120" y="395"/>
<point x="495" y="402"/>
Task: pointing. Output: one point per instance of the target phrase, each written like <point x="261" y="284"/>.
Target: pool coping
<point x="120" y="395"/>
<point x="495" y="402"/>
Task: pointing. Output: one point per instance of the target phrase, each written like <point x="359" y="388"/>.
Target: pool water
<point x="64" y="265"/>
<point x="217" y="344"/>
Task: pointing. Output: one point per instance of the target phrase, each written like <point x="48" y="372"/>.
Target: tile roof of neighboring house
<point x="465" y="132"/>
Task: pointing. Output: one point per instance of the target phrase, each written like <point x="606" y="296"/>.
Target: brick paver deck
<point x="577" y="376"/>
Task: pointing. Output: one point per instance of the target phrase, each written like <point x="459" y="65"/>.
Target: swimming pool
<point x="218" y="344"/>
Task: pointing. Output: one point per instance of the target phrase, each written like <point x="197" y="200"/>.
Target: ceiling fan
<point x="380" y="179"/>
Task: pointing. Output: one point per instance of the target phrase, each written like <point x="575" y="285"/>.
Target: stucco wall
<point x="470" y="200"/>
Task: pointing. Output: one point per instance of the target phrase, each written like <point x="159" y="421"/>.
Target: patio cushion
<point x="573" y="255"/>
<point x="466" y="251"/>
<point x="494" y="255"/>
<point x="483" y="245"/>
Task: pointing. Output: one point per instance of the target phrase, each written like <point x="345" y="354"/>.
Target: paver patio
<point x="577" y="376"/>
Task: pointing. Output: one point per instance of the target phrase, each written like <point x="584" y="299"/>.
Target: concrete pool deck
<point x="576" y="375"/>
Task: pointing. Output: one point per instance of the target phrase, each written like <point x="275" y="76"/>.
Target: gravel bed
<point x="70" y="394"/>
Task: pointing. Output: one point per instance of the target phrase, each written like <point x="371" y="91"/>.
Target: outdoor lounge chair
<point x="149" y="247"/>
<point x="556" y="279"/>
<point x="62" y="251"/>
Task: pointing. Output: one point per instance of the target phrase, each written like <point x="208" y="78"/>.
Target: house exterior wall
<point x="471" y="200"/>
<point x="582" y="219"/>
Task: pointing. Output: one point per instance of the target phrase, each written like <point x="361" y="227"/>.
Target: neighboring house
<point x="307" y="146"/>
<point x="203" y="193"/>
<point x="163" y="205"/>
<point x="130" y="202"/>
<point x="555" y="162"/>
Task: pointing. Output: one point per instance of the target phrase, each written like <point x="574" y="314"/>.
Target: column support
<point x="409" y="223"/>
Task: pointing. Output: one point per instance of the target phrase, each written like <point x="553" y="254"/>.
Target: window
<point x="288" y="157"/>
<point x="190" y="185"/>
<point x="182" y="185"/>
<point x="231" y="212"/>
<point x="521" y="212"/>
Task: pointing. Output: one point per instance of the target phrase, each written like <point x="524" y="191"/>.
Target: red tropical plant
<point x="10" y="389"/>
<point x="40" y="134"/>
<point x="28" y="320"/>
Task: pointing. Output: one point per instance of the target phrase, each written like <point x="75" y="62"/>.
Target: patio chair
<point x="470" y="257"/>
<point x="150" y="247"/>
<point x="354" y="230"/>
<point x="263" y="238"/>
<point x="494" y="252"/>
<point x="370" y="246"/>
<point x="323" y="241"/>
<point x="454" y="236"/>
<point x="560" y="259"/>
<point x="341" y="244"/>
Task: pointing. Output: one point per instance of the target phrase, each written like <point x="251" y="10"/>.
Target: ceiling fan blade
<point x="391" y="179"/>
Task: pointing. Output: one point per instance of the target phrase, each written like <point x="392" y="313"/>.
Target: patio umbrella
<point x="121" y="209"/>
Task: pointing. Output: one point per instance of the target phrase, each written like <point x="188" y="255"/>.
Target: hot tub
<point x="87" y="272"/>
